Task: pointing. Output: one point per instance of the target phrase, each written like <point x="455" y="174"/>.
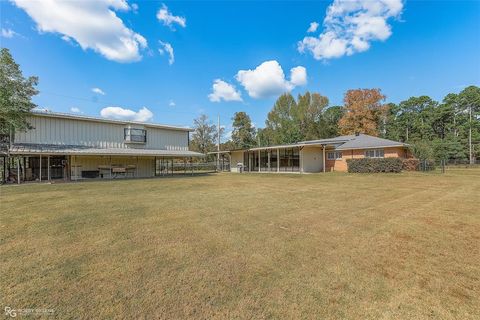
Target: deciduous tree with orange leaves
<point x="363" y="111"/>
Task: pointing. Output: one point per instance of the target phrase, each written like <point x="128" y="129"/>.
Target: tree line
<point x="435" y="130"/>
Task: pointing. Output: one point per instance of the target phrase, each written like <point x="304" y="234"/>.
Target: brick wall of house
<point x="341" y="164"/>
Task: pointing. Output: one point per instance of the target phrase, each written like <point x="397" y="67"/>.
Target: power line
<point x="96" y="101"/>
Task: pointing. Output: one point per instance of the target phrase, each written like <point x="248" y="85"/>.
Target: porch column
<point x="40" y="168"/>
<point x="136" y="169"/>
<point x="48" y="168"/>
<point x="268" y="156"/>
<point x="278" y="160"/>
<point x="24" y="163"/>
<point x="18" y="170"/>
<point x="258" y="160"/>
<point x="324" y="160"/>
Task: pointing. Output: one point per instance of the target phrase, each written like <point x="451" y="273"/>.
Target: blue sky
<point x="405" y="48"/>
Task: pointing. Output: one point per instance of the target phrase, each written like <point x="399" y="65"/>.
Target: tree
<point x="329" y="122"/>
<point x="308" y="115"/>
<point x="282" y="121"/>
<point x="265" y="137"/>
<point x="363" y="111"/>
<point x="470" y="102"/>
<point x="204" y="135"/>
<point x="16" y="94"/>
<point x="243" y="135"/>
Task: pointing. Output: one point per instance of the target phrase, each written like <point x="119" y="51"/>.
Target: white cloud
<point x="222" y="90"/>
<point x="167" y="47"/>
<point x="298" y="76"/>
<point x="350" y="27"/>
<point x="75" y="110"/>
<point x="93" y="24"/>
<point x="118" y="113"/>
<point x="268" y="79"/>
<point x="313" y="27"/>
<point x="98" y="91"/>
<point x="171" y="103"/>
<point x="8" y="33"/>
<point x="134" y="7"/>
<point x="169" y="19"/>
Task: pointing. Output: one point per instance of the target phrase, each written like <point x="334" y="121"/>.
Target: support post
<point x="18" y="170"/>
<point x="268" y="157"/>
<point x="48" y="169"/>
<point x="110" y="166"/>
<point x="324" y="160"/>
<point x="40" y="168"/>
<point x="24" y="163"/>
<point x="136" y="168"/>
<point x="278" y="160"/>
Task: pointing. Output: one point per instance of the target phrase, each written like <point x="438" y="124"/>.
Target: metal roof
<point x="334" y="140"/>
<point x="44" y="113"/>
<point x="46" y="149"/>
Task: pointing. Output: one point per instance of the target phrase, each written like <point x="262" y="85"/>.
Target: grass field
<point x="252" y="246"/>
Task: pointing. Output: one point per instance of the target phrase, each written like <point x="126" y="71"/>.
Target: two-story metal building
<point x="73" y="147"/>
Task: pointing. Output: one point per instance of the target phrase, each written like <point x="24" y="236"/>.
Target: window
<point x="375" y="153"/>
<point x="334" y="155"/>
<point x="135" y="135"/>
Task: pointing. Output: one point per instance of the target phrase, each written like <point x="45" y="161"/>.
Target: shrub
<point x="371" y="165"/>
<point x="410" y="164"/>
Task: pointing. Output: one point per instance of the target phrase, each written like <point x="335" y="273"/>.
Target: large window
<point x="289" y="159"/>
<point x="334" y="155"/>
<point x="273" y="159"/>
<point x="264" y="160"/>
<point x="135" y="135"/>
<point x="374" y="153"/>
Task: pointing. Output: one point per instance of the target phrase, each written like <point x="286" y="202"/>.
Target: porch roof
<point x="52" y="149"/>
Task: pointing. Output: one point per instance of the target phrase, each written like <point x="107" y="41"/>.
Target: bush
<point x="410" y="164"/>
<point x="371" y="165"/>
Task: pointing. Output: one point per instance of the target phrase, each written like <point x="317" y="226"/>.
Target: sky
<point x="169" y="62"/>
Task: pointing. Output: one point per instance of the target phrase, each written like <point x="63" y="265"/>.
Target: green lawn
<point x="251" y="246"/>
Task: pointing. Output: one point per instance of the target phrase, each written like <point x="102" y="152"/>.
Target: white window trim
<point x="337" y="155"/>
<point x="376" y="153"/>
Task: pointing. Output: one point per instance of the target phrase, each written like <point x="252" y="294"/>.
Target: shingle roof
<point x="85" y="150"/>
<point x="364" y="141"/>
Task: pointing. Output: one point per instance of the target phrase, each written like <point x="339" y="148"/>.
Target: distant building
<point x="72" y="147"/>
<point x="317" y="155"/>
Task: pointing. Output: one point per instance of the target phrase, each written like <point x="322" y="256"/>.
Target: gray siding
<point x="53" y="130"/>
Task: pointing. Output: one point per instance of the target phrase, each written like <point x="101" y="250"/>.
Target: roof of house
<point x="361" y="141"/>
<point x="364" y="141"/>
<point x="44" y="113"/>
<point x="48" y="149"/>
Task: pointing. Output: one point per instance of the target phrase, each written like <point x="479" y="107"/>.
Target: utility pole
<point x="218" y="145"/>
<point x="470" y="136"/>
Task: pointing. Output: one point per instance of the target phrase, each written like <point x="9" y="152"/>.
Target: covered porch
<point x="304" y="157"/>
<point x="42" y="163"/>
